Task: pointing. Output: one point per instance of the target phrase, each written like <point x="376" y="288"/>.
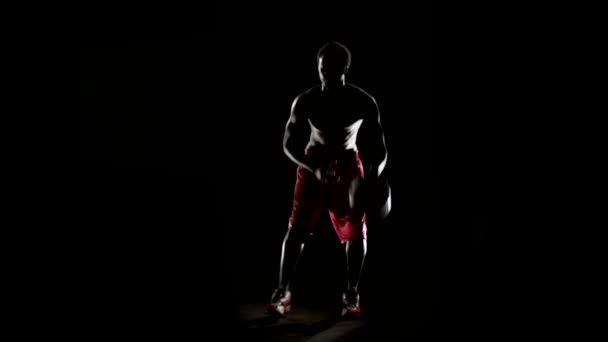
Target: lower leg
<point x="293" y="245"/>
<point x="355" y="259"/>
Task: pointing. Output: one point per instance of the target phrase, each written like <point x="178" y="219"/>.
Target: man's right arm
<point x="296" y="135"/>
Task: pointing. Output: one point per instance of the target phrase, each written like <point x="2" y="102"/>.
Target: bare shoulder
<point x="302" y="100"/>
<point x="364" y="98"/>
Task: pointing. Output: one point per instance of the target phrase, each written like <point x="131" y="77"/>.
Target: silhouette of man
<point x="336" y="121"/>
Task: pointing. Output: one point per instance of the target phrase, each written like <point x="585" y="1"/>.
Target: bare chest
<point x="337" y="115"/>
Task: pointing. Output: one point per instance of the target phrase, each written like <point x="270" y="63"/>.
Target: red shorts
<point x="311" y="196"/>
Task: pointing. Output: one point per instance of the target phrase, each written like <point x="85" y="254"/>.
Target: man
<point x="336" y="121"/>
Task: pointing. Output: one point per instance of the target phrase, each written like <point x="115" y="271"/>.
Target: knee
<point x="357" y="243"/>
<point x="294" y="235"/>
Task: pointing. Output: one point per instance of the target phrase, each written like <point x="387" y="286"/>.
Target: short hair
<point x="335" y="51"/>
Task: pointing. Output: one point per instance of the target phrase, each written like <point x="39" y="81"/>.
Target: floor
<point x="318" y="324"/>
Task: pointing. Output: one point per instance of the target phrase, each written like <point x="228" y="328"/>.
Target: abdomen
<point x="343" y="138"/>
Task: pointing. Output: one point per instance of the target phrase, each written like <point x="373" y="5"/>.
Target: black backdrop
<point x="185" y="189"/>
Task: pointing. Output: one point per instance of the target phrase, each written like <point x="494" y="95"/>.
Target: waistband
<point x="319" y="151"/>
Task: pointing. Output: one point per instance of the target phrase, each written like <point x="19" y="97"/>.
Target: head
<point x="333" y="62"/>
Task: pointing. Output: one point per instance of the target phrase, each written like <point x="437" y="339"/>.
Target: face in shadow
<point x="332" y="71"/>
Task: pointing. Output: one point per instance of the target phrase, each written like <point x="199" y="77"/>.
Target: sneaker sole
<point x="274" y="310"/>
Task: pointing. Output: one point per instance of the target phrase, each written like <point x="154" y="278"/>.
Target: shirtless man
<point x="340" y="121"/>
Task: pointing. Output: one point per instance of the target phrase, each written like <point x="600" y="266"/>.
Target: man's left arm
<point x="372" y="143"/>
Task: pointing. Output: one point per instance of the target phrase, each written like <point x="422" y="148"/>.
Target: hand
<point x="356" y="193"/>
<point x="327" y="174"/>
<point x="371" y="173"/>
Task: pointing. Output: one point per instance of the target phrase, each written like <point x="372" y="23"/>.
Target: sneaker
<point x="350" y="303"/>
<point x="280" y="302"/>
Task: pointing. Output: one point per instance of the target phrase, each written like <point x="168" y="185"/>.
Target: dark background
<point x="186" y="191"/>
